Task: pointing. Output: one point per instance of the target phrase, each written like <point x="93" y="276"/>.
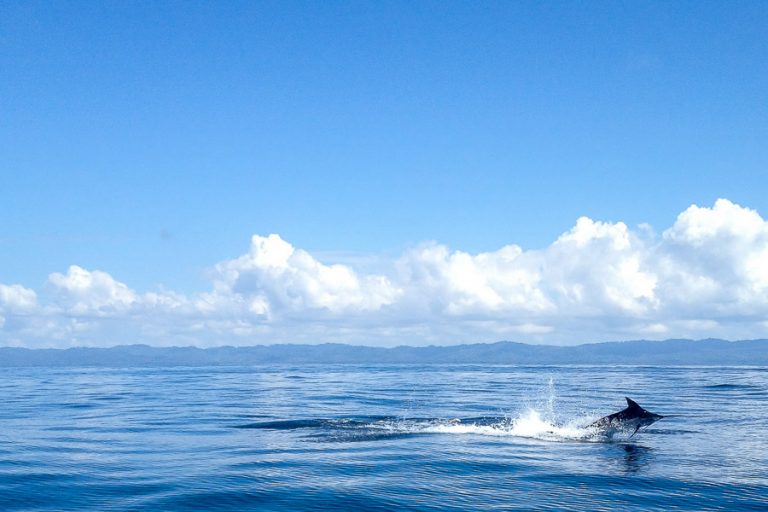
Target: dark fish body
<point x="631" y="418"/>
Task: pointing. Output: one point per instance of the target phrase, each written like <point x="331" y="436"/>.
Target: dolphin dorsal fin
<point x="631" y="403"/>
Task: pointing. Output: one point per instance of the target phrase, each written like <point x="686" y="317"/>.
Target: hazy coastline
<point x="640" y="352"/>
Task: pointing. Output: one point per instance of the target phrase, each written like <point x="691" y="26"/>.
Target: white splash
<point x="538" y="421"/>
<point x="531" y="424"/>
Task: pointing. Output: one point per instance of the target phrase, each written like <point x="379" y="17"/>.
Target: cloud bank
<point x="706" y="275"/>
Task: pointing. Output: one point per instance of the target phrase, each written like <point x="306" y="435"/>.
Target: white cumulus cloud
<point x="274" y="277"/>
<point x="457" y="283"/>
<point x="16" y="299"/>
<point x="83" y="292"/>
<point x="600" y="268"/>
<point x="714" y="261"/>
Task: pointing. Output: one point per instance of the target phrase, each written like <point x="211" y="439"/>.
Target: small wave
<point x="728" y="387"/>
<point x="317" y="423"/>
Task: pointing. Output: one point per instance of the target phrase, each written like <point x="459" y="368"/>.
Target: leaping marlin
<point x="633" y="416"/>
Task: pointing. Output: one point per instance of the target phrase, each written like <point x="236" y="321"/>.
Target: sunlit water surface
<point x="362" y="437"/>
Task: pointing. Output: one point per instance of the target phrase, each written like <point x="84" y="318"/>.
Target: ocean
<point x="380" y="437"/>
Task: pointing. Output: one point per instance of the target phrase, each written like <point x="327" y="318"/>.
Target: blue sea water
<point x="366" y="437"/>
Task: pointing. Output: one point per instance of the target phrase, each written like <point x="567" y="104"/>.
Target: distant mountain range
<point x="669" y="352"/>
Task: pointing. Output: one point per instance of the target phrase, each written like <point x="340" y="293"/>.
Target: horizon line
<point x="351" y="345"/>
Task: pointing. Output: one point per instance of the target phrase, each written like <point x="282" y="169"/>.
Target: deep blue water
<point x="364" y="437"/>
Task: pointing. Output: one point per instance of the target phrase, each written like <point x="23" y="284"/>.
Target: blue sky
<point x="151" y="140"/>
